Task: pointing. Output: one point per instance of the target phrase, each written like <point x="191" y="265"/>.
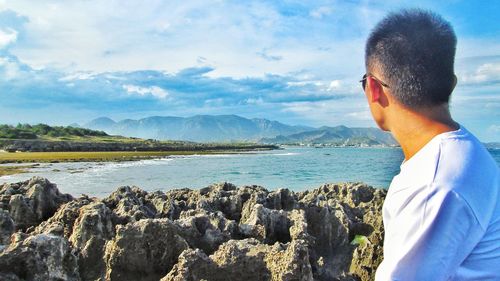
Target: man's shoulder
<point x="455" y="161"/>
<point x="463" y="158"/>
<point x="467" y="169"/>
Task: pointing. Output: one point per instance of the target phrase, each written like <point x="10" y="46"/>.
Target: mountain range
<point x="224" y="128"/>
<point x="338" y="136"/>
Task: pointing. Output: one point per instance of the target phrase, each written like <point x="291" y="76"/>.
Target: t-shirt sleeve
<point x="429" y="237"/>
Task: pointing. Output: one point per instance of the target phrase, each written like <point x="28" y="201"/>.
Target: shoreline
<point x="34" y="158"/>
<point x="225" y="232"/>
<point x="108" y="156"/>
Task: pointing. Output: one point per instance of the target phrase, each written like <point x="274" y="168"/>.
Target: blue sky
<point x="297" y="62"/>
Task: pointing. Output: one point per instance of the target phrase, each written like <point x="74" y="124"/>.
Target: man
<point x="442" y="212"/>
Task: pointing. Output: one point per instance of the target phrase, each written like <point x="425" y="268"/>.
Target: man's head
<point x="412" y="52"/>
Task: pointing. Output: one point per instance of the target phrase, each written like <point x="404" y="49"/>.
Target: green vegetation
<point x="11" y="170"/>
<point x="27" y="131"/>
<point x="360" y="240"/>
<point x="42" y="143"/>
<point x="53" y="157"/>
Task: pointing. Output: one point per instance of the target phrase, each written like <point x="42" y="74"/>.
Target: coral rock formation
<point x="221" y="232"/>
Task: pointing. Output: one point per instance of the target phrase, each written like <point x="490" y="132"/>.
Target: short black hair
<point x="415" y="51"/>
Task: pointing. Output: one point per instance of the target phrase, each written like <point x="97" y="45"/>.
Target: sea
<point x="295" y="168"/>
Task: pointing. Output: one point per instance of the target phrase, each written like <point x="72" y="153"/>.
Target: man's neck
<point x="413" y="130"/>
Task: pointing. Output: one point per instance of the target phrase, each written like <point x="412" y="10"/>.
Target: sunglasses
<point x="363" y="81"/>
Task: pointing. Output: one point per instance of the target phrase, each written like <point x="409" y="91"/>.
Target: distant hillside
<point x="27" y="131"/>
<point x="224" y="128"/>
<point x="200" y="128"/>
<point x="45" y="138"/>
<point x="340" y="135"/>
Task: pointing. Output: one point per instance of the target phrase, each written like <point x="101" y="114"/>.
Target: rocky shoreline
<point x="144" y="145"/>
<point x="221" y="232"/>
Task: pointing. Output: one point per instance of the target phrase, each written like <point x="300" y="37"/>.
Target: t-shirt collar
<point x="422" y="152"/>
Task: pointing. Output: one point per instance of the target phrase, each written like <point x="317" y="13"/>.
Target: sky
<point x="297" y="62"/>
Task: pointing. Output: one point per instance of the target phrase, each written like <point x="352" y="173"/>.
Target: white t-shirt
<point x="442" y="214"/>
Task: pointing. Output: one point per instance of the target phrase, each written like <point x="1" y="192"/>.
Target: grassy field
<point x="53" y="157"/>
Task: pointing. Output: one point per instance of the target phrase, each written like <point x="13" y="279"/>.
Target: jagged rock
<point x="39" y="257"/>
<point x="173" y="202"/>
<point x="224" y="232"/>
<point x="246" y="259"/>
<point x="206" y="231"/>
<point x="92" y="229"/>
<point x="223" y="197"/>
<point x="299" y="225"/>
<point x="194" y="265"/>
<point x="282" y="199"/>
<point x="256" y="195"/>
<point x="22" y="212"/>
<point x="45" y="197"/>
<point x="9" y="276"/>
<point x="6" y="227"/>
<point x="94" y="221"/>
<point x="366" y="258"/>
<point x="32" y="201"/>
<point x="143" y="250"/>
<point x="87" y="224"/>
<point x="61" y="223"/>
<point x="357" y="211"/>
<point x="329" y="228"/>
<point x="351" y="194"/>
<point x="274" y="224"/>
<point x="130" y="205"/>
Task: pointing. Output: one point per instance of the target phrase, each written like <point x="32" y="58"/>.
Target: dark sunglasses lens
<point x="363" y="82"/>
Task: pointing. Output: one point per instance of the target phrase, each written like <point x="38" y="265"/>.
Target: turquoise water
<point x="294" y="168"/>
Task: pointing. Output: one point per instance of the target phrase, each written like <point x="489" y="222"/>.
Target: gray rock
<point x="204" y="230"/>
<point x="143" y="250"/>
<point x="6" y="227"/>
<point x="33" y="201"/>
<point x="270" y="225"/>
<point x="130" y="205"/>
<point x="39" y="257"/>
<point x="246" y="259"/>
<point x="221" y="232"/>
<point x="92" y="229"/>
<point x="22" y="212"/>
<point x="62" y="222"/>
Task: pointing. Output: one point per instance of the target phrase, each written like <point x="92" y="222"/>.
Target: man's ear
<point x="375" y="89"/>
<point x="455" y="81"/>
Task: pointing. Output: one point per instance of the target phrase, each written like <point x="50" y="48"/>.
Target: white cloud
<point x="495" y="129"/>
<point x="255" y="101"/>
<point x="78" y="76"/>
<point x="169" y="36"/>
<point x="7" y="37"/>
<point x="153" y="90"/>
<point x="321" y="12"/>
<point x="351" y="112"/>
<point x="488" y="72"/>
<point x="334" y="85"/>
<point x="9" y="69"/>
